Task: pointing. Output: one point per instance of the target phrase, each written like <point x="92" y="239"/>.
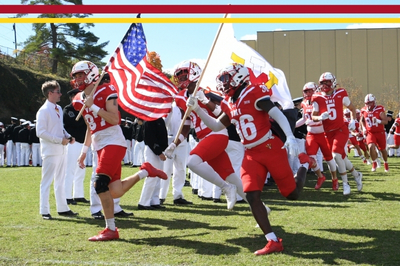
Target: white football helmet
<point x="327" y="76"/>
<point x="308" y="90"/>
<point x="185" y="73"/>
<point x="346" y="112"/>
<point x="231" y="77"/>
<point x="89" y="69"/>
<point x="370" y="98"/>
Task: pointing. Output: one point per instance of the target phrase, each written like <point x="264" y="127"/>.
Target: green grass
<point x="322" y="228"/>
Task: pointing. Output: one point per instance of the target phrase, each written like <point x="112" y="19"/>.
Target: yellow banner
<point x="199" y="20"/>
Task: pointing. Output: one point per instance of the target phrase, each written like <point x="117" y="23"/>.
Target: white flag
<point x="228" y="50"/>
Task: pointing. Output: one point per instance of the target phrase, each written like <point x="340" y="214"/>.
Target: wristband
<point x="85" y="149"/>
<point x="94" y="108"/>
<point x="181" y="138"/>
<point x="217" y="110"/>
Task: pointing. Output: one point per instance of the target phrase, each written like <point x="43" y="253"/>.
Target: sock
<point x="203" y="169"/>
<point x="110" y="224"/>
<point x="271" y="236"/>
<point x="344" y="178"/>
<point x="354" y="173"/>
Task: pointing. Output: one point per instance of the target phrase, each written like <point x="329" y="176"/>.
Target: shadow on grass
<point x="333" y="252"/>
<point x="200" y="247"/>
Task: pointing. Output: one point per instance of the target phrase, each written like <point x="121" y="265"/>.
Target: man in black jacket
<point x="156" y="141"/>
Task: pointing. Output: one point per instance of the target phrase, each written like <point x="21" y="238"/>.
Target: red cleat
<point x="386" y="167"/>
<point x="271" y="247"/>
<point x="304" y="158"/>
<point x="335" y="184"/>
<point x="105" y="235"/>
<point x="374" y="166"/>
<point x="320" y="181"/>
<point x="153" y="172"/>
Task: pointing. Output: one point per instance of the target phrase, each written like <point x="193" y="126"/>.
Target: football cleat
<point x="320" y="181"/>
<point x="230" y="194"/>
<point x="152" y="171"/>
<point x="346" y="189"/>
<point x="374" y="165"/>
<point x="271" y="247"/>
<point x="386" y="167"/>
<point x="358" y="180"/>
<point x="105" y="235"/>
<point x="335" y="184"/>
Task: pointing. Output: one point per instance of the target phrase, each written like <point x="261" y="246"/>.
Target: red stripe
<point x="202" y="9"/>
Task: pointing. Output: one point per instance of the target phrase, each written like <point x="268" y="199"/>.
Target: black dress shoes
<point x="147" y="208"/>
<point x="162" y="201"/>
<point x="68" y="213"/>
<point x="122" y="213"/>
<point x="71" y="201"/>
<point x="47" y="217"/>
<point x="181" y="201"/>
<point x="98" y="215"/>
<point x="158" y="206"/>
<point x="83" y="200"/>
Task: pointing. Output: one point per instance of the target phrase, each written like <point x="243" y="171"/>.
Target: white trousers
<point x="36" y="158"/>
<point x="151" y="185"/>
<point x="74" y="175"/>
<point x="10" y="151"/>
<point x="95" y="203"/>
<point x="128" y="153"/>
<point x="194" y="178"/>
<point x="175" y="167"/>
<point x="53" y="170"/>
<point x="24" y="156"/>
<point x="18" y="153"/>
<point x="139" y="153"/>
<point x="1" y="155"/>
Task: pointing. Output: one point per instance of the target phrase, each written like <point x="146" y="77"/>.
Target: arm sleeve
<point x="282" y="121"/>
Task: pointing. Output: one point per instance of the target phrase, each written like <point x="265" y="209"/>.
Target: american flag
<point x="143" y="90"/>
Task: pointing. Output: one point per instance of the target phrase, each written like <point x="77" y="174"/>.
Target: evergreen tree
<point x="66" y="43"/>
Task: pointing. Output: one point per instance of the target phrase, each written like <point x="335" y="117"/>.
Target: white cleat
<point x="346" y="189"/>
<point x="230" y="194"/>
<point x="359" y="181"/>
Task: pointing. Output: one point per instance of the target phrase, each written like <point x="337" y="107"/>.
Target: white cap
<point x="1" y="124"/>
<point x="26" y="123"/>
<point x="22" y="120"/>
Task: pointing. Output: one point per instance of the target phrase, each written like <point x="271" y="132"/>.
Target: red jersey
<point x="334" y="105"/>
<point x="252" y="123"/>
<point x="397" y="124"/>
<point x="103" y="133"/>
<point x="370" y="124"/>
<point x="312" y="127"/>
<point x="201" y="129"/>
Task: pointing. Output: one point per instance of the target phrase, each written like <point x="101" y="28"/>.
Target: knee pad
<point x="101" y="183"/>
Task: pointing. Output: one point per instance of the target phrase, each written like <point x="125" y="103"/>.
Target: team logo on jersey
<point x="246" y="102"/>
<point x="101" y="98"/>
<point x="264" y="88"/>
<point x="268" y="146"/>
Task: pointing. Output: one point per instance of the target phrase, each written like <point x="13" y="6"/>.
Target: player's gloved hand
<point x="323" y="116"/>
<point x="202" y="98"/>
<point x="291" y="146"/>
<point x="352" y="125"/>
<point x="192" y="103"/>
<point x="169" y="151"/>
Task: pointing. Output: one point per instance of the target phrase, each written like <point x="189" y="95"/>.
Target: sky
<point x="176" y="42"/>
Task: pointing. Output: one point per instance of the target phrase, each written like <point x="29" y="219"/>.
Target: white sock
<point x="271" y="236"/>
<point x="110" y="224"/>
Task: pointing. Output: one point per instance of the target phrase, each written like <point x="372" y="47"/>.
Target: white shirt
<point x="50" y="129"/>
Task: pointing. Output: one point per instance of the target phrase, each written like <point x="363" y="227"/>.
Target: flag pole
<point x="91" y="94"/>
<point x="189" y="109"/>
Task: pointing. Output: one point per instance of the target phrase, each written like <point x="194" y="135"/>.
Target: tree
<point x="67" y="43"/>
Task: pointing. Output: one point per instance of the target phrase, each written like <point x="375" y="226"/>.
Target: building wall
<point x="369" y="56"/>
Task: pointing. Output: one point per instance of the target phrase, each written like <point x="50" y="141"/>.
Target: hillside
<point x="20" y="92"/>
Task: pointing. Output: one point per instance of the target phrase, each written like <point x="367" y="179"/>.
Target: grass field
<point x="321" y="228"/>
